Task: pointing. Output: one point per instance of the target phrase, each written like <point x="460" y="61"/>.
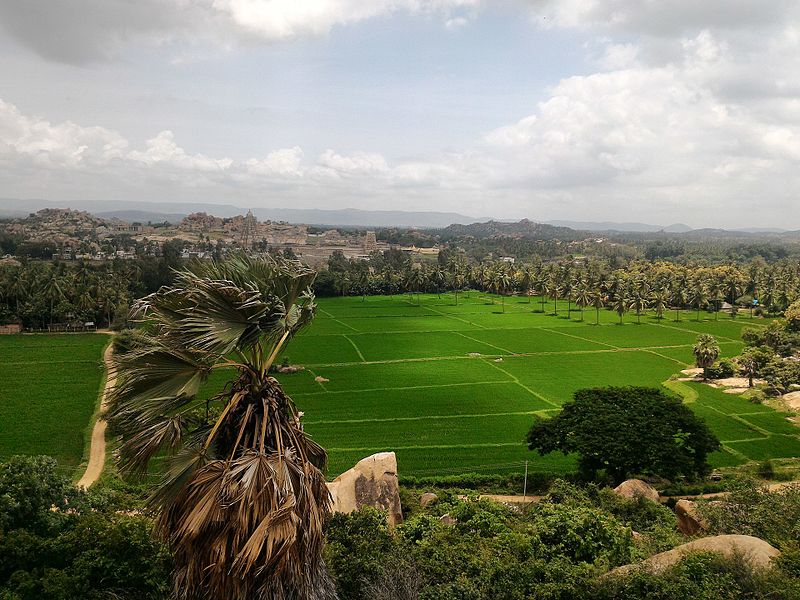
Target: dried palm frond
<point x="243" y="499"/>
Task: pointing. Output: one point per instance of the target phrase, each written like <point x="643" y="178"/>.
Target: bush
<point x="721" y="369"/>
<point x="766" y="470"/>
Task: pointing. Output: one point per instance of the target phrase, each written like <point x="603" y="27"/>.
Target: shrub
<point x="721" y="369"/>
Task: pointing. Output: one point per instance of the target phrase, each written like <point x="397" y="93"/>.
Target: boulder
<point x="754" y="550"/>
<point x="447" y="519"/>
<point x="634" y="488"/>
<point x="372" y="482"/>
<point x="694" y="372"/>
<point x="427" y="499"/>
<point x="792" y="400"/>
<point x="321" y="379"/>
<point x="689" y="519"/>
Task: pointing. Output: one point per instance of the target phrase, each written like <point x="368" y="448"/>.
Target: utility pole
<point x="525" y="485"/>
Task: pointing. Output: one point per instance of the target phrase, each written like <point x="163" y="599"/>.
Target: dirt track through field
<point x="97" y="449"/>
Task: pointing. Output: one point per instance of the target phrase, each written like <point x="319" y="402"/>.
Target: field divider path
<point x="521" y="413"/>
<point x="577" y="337"/>
<point x="522" y="385"/>
<point x="406" y="387"/>
<point x="337" y="320"/>
<point x="692" y="331"/>
<point x="680" y="362"/>
<point x="506" y="354"/>
<point x="449" y="316"/>
<point x="503" y="350"/>
<point x="429" y="447"/>
<point x="356" y="348"/>
<point x="97" y="448"/>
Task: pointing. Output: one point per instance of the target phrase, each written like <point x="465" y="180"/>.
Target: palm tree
<point x="660" y="301"/>
<point x="715" y="295"/>
<point x="583" y="295"/>
<point x="243" y="500"/>
<point x="639" y="304"/>
<point x="706" y="351"/>
<point x="438" y="279"/>
<point x="698" y="297"/>
<point x="500" y="282"/>
<point x="526" y="279"/>
<point x="598" y="302"/>
<point x="414" y="280"/>
<point x="680" y="298"/>
<point x="620" y="305"/>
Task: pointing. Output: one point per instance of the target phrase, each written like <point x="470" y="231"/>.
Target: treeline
<point x="588" y="283"/>
<point x="38" y="294"/>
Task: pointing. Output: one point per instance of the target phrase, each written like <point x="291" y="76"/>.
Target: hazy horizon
<point x="576" y="110"/>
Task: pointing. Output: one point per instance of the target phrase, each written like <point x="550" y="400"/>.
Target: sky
<point x="658" y="111"/>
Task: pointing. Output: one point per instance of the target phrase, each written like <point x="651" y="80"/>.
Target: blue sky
<point x="578" y="109"/>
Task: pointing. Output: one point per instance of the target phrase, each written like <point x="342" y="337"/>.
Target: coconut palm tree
<point x="660" y="301"/>
<point x="706" y="351"/>
<point x="620" y="305"/>
<point x="501" y="281"/>
<point x="583" y="295"/>
<point x="243" y="499"/>
<point x="598" y="302"/>
<point x="639" y="303"/>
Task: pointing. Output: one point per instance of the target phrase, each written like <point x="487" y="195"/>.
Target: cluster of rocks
<point x="691" y="522"/>
<point x="373" y="482"/>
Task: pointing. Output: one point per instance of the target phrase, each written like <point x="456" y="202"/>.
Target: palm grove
<point x="582" y="284"/>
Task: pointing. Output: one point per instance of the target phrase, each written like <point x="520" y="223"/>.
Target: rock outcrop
<point x="689" y="519"/>
<point x="634" y="488"/>
<point x="427" y="499"/>
<point x="754" y="550"/>
<point x="372" y="482"/>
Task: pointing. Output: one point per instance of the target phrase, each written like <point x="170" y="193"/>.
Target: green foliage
<point x="29" y="486"/>
<point x="752" y="510"/>
<point x="626" y="431"/>
<point x="57" y="542"/>
<point x="721" y="369"/>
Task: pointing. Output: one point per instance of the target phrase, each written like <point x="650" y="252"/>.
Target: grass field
<point x="49" y="387"/>
<point x="451" y="389"/>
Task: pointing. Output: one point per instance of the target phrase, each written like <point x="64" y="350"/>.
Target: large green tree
<point x="243" y="500"/>
<point x="626" y="431"/>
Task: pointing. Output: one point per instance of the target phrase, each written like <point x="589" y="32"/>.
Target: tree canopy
<point x="625" y="431"/>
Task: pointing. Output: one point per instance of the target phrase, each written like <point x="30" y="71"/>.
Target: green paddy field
<point x="451" y="389"/>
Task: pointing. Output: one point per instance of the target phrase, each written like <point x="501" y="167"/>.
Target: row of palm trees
<point x="41" y="294"/>
<point x="592" y="284"/>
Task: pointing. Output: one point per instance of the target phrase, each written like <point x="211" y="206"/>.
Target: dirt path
<point x="97" y="449"/>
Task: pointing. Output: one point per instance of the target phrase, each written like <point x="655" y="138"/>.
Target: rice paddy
<point x="450" y="388"/>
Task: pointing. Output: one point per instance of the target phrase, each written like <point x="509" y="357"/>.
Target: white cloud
<point x="162" y="150"/>
<point x="287" y="162"/>
<point x="356" y="163"/>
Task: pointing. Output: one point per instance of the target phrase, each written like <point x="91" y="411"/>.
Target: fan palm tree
<point x="706" y="351"/>
<point x="243" y="499"/>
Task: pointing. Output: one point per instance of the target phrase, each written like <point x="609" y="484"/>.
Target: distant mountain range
<point x="173" y="212"/>
<point x="603" y="226"/>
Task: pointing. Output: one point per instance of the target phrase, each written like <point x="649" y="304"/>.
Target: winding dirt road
<point x="97" y="449"/>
